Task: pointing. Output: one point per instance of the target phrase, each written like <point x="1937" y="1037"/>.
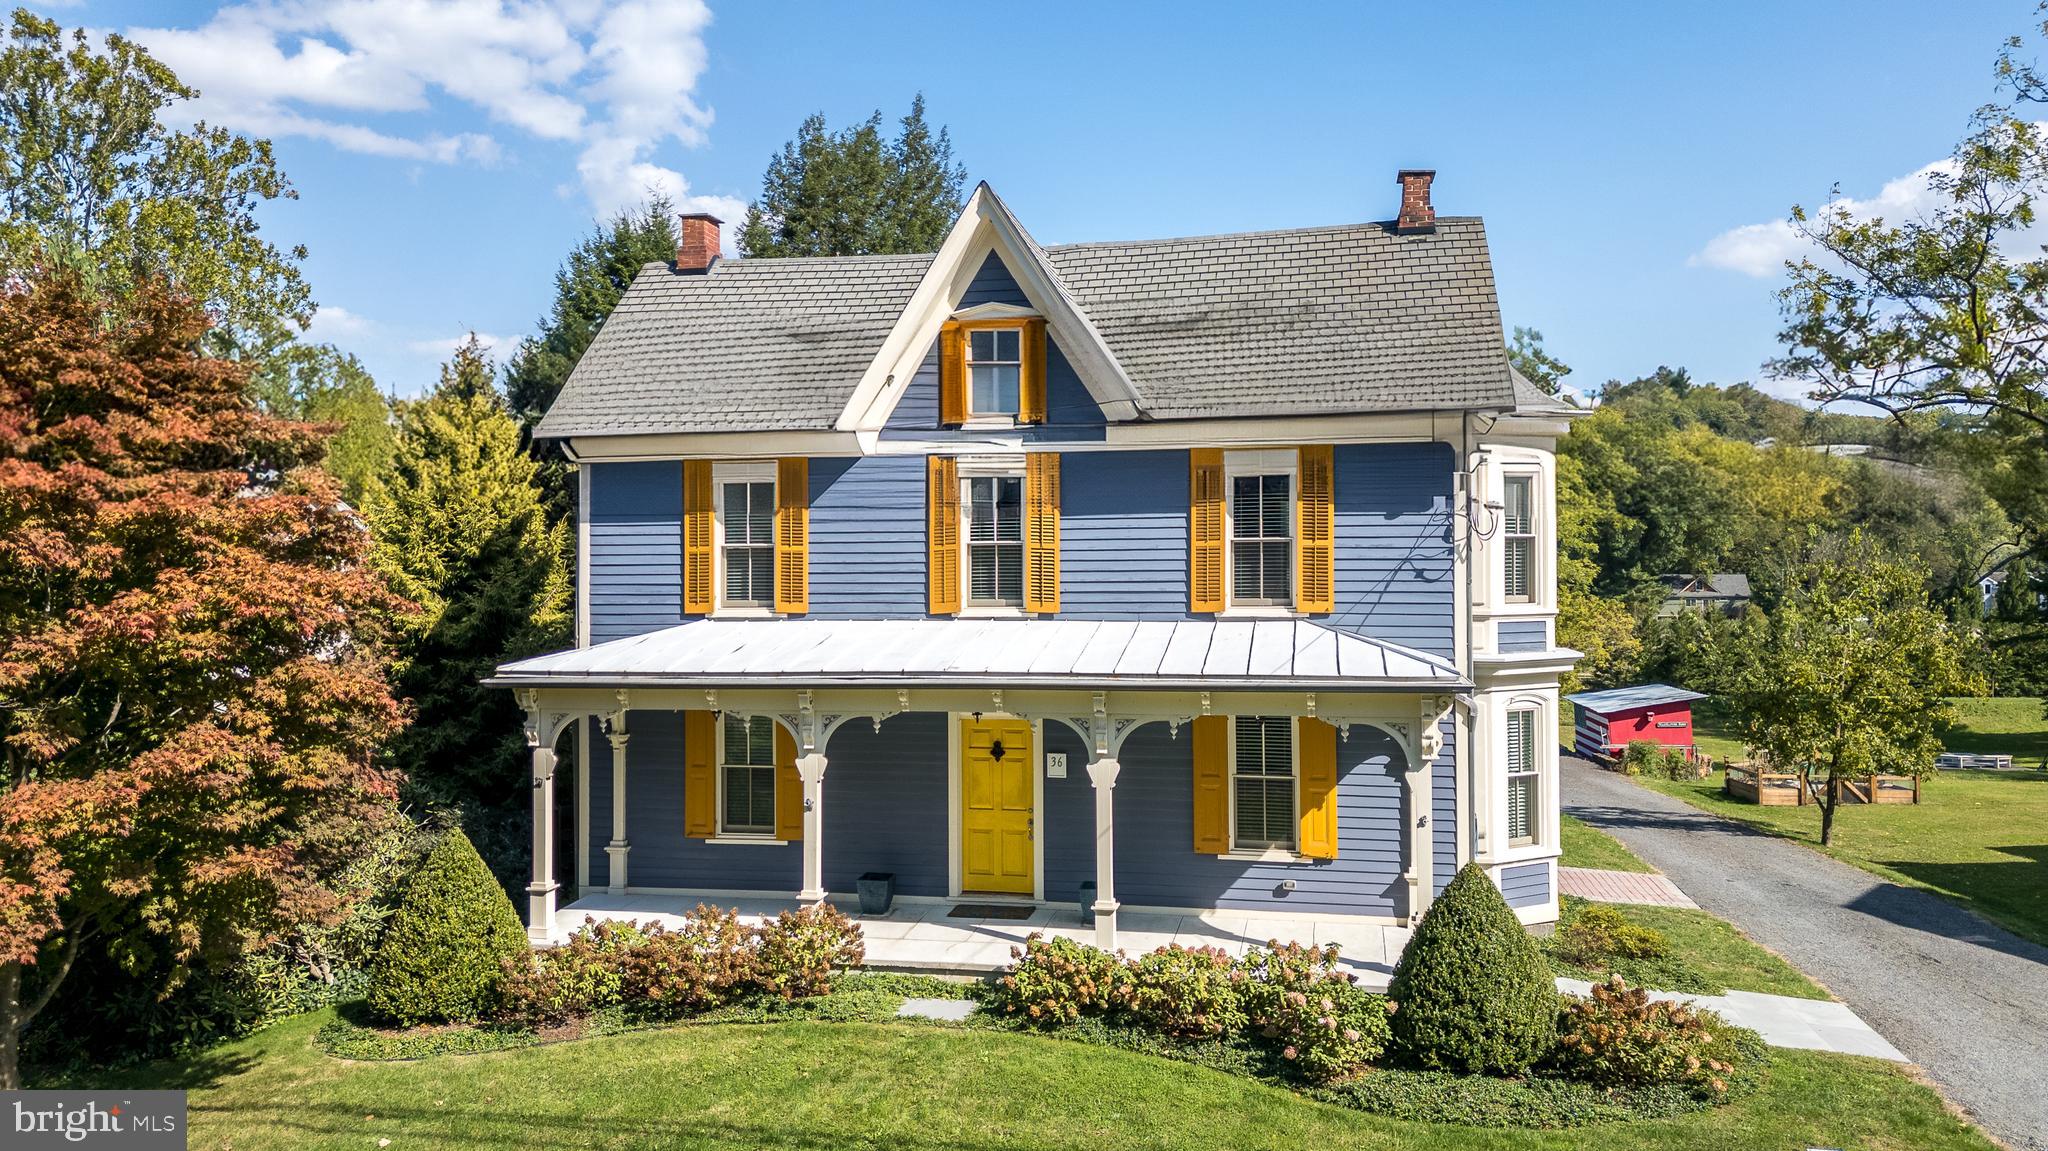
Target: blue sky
<point x="1629" y="159"/>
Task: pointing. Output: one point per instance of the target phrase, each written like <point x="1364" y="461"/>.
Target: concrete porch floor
<point x="918" y="935"/>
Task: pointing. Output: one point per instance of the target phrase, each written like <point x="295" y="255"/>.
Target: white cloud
<point x="617" y="80"/>
<point x="440" y="348"/>
<point x="1761" y="250"/>
<point x="333" y="324"/>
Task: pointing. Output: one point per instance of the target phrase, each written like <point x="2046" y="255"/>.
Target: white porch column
<point x="618" y="848"/>
<point x="811" y="769"/>
<point x="540" y="894"/>
<point x="1417" y="795"/>
<point x="1102" y="773"/>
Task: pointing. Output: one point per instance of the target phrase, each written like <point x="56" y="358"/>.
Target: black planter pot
<point x="877" y="891"/>
<point x="1088" y="904"/>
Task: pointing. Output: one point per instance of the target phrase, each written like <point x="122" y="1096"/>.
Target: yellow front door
<point x="996" y="774"/>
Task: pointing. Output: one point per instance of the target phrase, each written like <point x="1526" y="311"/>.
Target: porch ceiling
<point x="1194" y="654"/>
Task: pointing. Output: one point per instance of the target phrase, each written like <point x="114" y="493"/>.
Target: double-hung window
<point x="1518" y="539"/>
<point x="995" y="370"/>
<point x="994" y="509"/>
<point x="1521" y="765"/>
<point x="1262" y="775"/>
<point x="1261" y="515"/>
<point x="746" y="535"/>
<point x="746" y="775"/>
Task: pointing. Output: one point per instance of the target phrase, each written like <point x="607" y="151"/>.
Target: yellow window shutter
<point x="942" y="534"/>
<point x="793" y="535"/>
<point x="1212" y="784"/>
<point x="1042" y="532"/>
<point x="697" y="558"/>
<point x="1205" y="529"/>
<point x="952" y="374"/>
<point x="789" y="786"/>
<point x="1318" y="744"/>
<point x="700" y="787"/>
<point x="1315" y="540"/>
<point x="1031" y="385"/>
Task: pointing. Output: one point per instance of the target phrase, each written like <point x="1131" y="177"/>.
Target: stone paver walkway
<point x="1783" y="1021"/>
<point x="1621" y="887"/>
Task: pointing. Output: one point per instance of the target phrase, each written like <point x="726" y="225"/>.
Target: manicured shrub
<point x="585" y="974"/>
<point x="444" y="953"/>
<point x="1053" y="981"/>
<point x="800" y="949"/>
<point x="698" y="966"/>
<point x="1187" y="992"/>
<point x="1471" y="992"/>
<point x="1620" y="1037"/>
<point x="1594" y="933"/>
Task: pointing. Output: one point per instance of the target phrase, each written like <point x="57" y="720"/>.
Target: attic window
<point x="995" y="370"/>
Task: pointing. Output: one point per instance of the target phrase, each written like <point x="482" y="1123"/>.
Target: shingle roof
<point x="750" y="345"/>
<point x="1309" y="321"/>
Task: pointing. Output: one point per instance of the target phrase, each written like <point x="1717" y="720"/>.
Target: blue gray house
<point x="1217" y="573"/>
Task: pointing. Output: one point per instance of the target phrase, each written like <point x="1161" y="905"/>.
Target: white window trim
<point x="718" y="766"/>
<point x="1006" y="466"/>
<point x="1537" y="568"/>
<point x="736" y="472"/>
<point x="1534" y="774"/>
<point x="1260" y="852"/>
<point x="990" y="419"/>
<point x="1262" y="462"/>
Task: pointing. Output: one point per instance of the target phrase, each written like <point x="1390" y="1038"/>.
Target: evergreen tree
<point x="850" y="193"/>
<point x="2017" y="601"/>
<point x="587" y="287"/>
<point x="1538" y="366"/>
<point x="462" y="531"/>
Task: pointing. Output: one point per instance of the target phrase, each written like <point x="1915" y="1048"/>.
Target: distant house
<point x="1723" y="592"/>
<point x="1608" y="721"/>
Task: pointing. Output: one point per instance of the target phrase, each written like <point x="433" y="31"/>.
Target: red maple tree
<point x="190" y="699"/>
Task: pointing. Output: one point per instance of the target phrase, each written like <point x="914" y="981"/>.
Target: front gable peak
<point x="987" y="246"/>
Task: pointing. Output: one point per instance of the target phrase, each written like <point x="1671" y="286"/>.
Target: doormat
<point x="990" y="911"/>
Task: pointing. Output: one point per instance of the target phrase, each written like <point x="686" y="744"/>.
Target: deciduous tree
<point x="1848" y="677"/>
<point x="191" y="700"/>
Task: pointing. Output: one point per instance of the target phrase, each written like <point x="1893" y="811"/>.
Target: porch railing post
<point x="1102" y="773"/>
<point x="540" y="894"/>
<point x="619" y="847"/>
<point x="811" y="769"/>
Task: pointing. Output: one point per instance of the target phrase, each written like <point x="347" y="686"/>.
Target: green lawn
<point x="815" y="1085"/>
<point x="1585" y="847"/>
<point x="1977" y="837"/>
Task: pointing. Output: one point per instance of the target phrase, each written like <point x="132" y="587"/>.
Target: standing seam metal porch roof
<point x="1199" y="654"/>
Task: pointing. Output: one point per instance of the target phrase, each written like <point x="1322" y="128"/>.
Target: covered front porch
<point x="896" y="702"/>
<point x="925" y="935"/>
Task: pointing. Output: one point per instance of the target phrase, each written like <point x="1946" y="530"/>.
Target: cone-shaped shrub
<point x="445" y="951"/>
<point x="1472" y="992"/>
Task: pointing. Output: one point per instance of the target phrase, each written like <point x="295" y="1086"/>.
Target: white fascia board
<point x="705" y="445"/>
<point x="985" y="225"/>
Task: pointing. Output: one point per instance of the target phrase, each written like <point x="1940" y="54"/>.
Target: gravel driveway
<point x="1966" y="1000"/>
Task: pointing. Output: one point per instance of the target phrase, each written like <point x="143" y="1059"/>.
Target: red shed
<point x="1608" y="721"/>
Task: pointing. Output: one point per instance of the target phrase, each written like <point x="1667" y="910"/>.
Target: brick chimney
<point x="700" y="242"/>
<point x="1416" y="214"/>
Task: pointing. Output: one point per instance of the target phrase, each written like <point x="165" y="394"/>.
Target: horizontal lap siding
<point x="1156" y="863"/>
<point x="918" y="409"/>
<point x="1523" y="635"/>
<point x="885" y="803"/>
<point x="1443" y="809"/>
<point x="1068" y="821"/>
<point x="662" y="856"/>
<point x="1394" y="571"/>
<point x="1124" y="535"/>
<point x="1070" y="412"/>
<point x="600" y="810"/>
<point x="1527" y="885"/>
<point x="636" y="548"/>
<point x="868" y="538"/>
